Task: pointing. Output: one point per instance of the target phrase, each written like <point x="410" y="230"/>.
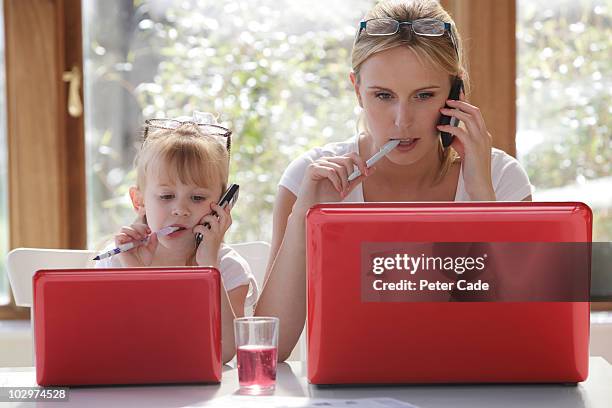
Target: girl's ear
<point x="353" y="79"/>
<point x="137" y="200"/>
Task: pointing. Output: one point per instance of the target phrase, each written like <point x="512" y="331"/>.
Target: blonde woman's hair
<point x="190" y="156"/>
<point x="436" y="51"/>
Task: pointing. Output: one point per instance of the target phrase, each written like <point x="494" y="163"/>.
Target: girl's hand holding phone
<point x="141" y="255"/>
<point x="207" y="253"/>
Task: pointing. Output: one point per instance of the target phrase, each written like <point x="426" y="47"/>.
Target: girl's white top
<point x="234" y="270"/>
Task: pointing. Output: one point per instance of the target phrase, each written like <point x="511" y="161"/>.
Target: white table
<point x="291" y="381"/>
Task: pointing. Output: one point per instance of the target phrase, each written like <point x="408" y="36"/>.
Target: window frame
<point x="484" y="25"/>
<point x="43" y="40"/>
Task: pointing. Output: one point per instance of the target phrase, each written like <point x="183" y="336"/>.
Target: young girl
<point x="182" y="171"/>
<point x="406" y="56"/>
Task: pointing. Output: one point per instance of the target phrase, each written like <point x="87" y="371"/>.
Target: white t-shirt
<point x="510" y="180"/>
<point x="234" y="270"/>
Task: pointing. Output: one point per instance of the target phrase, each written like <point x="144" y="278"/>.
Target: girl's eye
<point x="424" y="95"/>
<point x="166" y="196"/>
<point x="198" y="198"/>
<point x="383" y="95"/>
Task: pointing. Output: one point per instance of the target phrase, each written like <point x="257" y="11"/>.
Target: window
<point x="564" y="133"/>
<point x="276" y="72"/>
<point x="564" y="99"/>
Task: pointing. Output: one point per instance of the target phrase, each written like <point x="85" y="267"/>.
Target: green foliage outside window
<point x="278" y="76"/>
<point x="565" y="97"/>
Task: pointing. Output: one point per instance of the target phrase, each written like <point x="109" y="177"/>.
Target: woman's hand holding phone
<point x="473" y="143"/>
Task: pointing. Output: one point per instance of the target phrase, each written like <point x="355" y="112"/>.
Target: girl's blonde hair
<point x="189" y="154"/>
<point x="436" y="51"/>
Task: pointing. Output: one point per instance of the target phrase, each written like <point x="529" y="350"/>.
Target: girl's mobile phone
<point x="455" y="91"/>
<point x="230" y="196"/>
<point x="227" y="199"/>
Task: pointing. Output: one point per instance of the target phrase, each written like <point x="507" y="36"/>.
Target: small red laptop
<point x="440" y="332"/>
<point x="127" y="326"/>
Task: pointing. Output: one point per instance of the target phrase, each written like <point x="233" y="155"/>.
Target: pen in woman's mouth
<point x="390" y="145"/>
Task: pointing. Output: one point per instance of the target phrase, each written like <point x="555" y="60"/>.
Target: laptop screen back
<point x="353" y="339"/>
<point x="127" y="326"/>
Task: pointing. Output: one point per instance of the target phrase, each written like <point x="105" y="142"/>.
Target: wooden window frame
<point x="46" y="147"/>
<point x="484" y="25"/>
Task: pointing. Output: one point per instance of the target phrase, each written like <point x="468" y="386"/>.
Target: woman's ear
<point x="355" y="83"/>
<point x="137" y="200"/>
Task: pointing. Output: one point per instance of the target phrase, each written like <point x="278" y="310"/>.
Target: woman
<point x="406" y="56"/>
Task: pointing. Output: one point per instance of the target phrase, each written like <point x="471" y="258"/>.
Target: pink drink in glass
<point x="257" y="367"/>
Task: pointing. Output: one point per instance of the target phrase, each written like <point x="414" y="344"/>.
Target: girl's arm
<point x="232" y="306"/>
<point x="232" y="302"/>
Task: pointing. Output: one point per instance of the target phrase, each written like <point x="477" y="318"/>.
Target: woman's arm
<point x="284" y="293"/>
<point x="232" y="306"/>
<point x="473" y="143"/>
<point x="283" y="206"/>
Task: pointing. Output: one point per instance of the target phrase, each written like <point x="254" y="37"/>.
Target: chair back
<point x="22" y="264"/>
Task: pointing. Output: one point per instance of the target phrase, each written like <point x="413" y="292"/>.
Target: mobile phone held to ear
<point x="227" y="199"/>
<point x="455" y="91"/>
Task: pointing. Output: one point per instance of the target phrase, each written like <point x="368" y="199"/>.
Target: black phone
<point x="456" y="88"/>
<point x="227" y="199"/>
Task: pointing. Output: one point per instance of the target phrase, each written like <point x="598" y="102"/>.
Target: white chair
<point x="22" y="264"/>
<point x="256" y="254"/>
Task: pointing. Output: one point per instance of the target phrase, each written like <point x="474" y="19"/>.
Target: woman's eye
<point x="166" y="196"/>
<point x="383" y="95"/>
<point x="424" y="95"/>
<point x="198" y="198"/>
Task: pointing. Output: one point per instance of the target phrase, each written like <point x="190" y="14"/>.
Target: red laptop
<point x="402" y="334"/>
<point x="127" y="326"/>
